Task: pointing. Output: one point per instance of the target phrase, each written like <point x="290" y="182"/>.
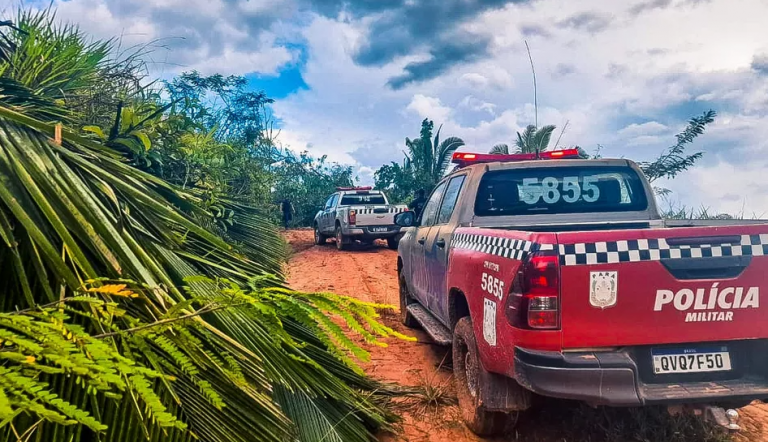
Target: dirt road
<point x="369" y="273"/>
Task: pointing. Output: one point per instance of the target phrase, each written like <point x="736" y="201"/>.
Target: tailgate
<point x="370" y="215"/>
<point x="663" y="286"/>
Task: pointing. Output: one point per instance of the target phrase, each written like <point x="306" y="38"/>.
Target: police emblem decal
<point x="603" y="287"/>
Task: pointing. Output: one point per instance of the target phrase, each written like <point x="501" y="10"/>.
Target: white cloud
<point x="96" y="18"/>
<point x="649" y="128"/>
<point x="212" y="36"/>
<point x="473" y="79"/>
<point x="429" y="107"/>
<point x="739" y="190"/>
<point x="234" y="62"/>
<point x="471" y="103"/>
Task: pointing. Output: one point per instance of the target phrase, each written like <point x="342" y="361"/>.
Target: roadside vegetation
<point x="142" y="293"/>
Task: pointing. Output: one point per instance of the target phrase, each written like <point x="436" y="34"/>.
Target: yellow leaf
<point x="114" y="290"/>
<point x="30" y="359"/>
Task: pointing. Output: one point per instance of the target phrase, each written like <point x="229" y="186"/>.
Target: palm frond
<point x="542" y="137"/>
<point x="111" y="220"/>
<point x="445" y="154"/>
<point x="525" y="140"/>
<point x="502" y="149"/>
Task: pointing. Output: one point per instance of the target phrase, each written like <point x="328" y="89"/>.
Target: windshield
<point x="362" y="198"/>
<point x="560" y="190"/>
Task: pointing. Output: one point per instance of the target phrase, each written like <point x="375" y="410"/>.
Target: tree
<point x="674" y="159"/>
<point x="397" y="180"/>
<point x="532" y="140"/>
<point x="426" y="161"/>
<point x="306" y="181"/>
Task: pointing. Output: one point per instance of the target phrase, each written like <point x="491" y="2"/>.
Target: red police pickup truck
<point x="557" y="276"/>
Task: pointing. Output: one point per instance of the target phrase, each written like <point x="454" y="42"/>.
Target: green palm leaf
<point x="445" y="154"/>
<point x="76" y="212"/>
<point x="525" y="143"/>
<point x="542" y="137"/>
<point x="502" y="149"/>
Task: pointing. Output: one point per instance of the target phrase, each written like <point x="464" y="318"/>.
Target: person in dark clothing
<point x="287" y="208"/>
<point x="418" y="203"/>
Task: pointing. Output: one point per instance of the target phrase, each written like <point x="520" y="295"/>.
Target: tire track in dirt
<point x="370" y="274"/>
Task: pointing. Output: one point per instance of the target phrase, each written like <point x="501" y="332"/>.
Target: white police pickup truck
<point x="357" y="213"/>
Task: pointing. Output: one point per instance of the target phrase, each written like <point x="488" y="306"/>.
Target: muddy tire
<point x="405" y="299"/>
<point x="466" y="372"/>
<point x="319" y="237"/>
<point x="341" y="241"/>
<point x="392" y="243"/>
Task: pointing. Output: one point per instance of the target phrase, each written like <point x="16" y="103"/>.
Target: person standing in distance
<point x="418" y="203"/>
<point x="287" y="208"/>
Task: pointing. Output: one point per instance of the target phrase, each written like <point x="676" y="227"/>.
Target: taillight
<point x="533" y="301"/>
<point x="352" y="217"/>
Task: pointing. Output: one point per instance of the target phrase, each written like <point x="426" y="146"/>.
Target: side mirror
<point x="405" y="219"/>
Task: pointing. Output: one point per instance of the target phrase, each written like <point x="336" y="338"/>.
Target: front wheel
<point x="466" y="372"/>
<point x="341" y="241"/>
<point x="392" y="243"/>
<point x="319" y="237"/>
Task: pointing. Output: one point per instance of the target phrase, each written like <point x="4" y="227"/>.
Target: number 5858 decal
<point x="493" y="285"/>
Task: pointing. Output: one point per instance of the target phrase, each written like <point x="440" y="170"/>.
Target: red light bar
<point x="354" y="188"/>
<point x="565" y="153"/>
<point x="465" y="159"/>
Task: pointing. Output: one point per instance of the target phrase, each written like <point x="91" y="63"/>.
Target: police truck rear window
<point x="362" y="198"/>
<point x="559" y="190"/>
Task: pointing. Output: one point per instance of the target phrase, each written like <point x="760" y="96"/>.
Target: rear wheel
<point x="319" y="237"/>
<point x="392" y="243"/>
<point x="341" y="241"/>
<point x="405" y="300"/>
<point x="466" y="372"/>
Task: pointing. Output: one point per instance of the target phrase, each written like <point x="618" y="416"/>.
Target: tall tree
<point x="426" y="160"/>
<point x="430" y="157"/>
<point x="532" y="140"/>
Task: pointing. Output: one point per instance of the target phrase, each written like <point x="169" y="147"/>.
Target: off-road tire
<point x="466" y="368"/>
<point x="319" y="237"/>
<point x="392" y="243"/>
<point x="405" y="300"/>
<point x="341" y="241"/>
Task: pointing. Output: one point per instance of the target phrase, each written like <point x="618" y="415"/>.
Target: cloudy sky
<point x="353" y="78"/>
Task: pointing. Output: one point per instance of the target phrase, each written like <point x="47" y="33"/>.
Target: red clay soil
<point x="369" y="273"/>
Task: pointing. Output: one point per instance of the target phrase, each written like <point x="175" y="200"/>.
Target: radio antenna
<point x="535" y="97"/>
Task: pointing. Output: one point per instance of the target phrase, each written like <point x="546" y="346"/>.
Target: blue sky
<point x="352" y="79"/>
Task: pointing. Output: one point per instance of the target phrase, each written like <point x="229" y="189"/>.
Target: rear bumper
<point x="613" y="378"/>
<point x="367" y="232"/>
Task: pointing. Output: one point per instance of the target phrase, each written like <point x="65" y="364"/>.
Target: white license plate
<point x="691" y="360"/>
<point x="380" y="229"/>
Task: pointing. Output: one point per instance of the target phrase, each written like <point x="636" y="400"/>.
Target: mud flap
<point x="501" y="393"/>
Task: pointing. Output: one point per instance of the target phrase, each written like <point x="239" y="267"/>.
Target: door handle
<point x="422" y="241"/>
<point x="440" y="243"/>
